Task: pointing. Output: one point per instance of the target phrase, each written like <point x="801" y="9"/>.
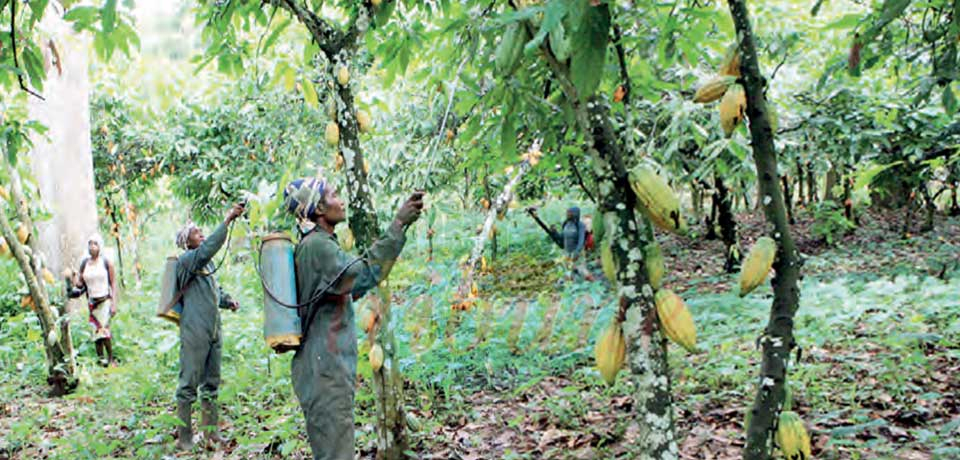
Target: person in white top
<point x="97" y="279"/>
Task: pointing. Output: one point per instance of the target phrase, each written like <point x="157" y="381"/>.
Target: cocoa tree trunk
<point x="777" y="340"/>
<point x="848" y="198"/>
<point x="54" y="323"/>
<point x="787" y="197"/>
<point x="486" y="192"/>
<point x="931" y="206"/>
<point x="712" y="219"/>
<point x="955" y="207"/>
<point x="696" y="194"/>
<point x="728" y="226"/>
<point x="801" y="199"/>
<point x="832" y="178"/>
<point x="811" y="184"/>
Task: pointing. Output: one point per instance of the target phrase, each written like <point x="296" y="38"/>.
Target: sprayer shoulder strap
<point x="183" y="289"/>
<point x="308" y="312"/>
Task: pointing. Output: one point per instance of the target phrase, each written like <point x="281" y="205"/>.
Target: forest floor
<point x="876" y="375"/>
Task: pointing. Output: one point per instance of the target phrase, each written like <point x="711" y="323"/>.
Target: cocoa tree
<point x="777" y="340"/>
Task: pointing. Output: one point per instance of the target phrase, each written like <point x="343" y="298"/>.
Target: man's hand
<point x="235" y="211"/>
<point x="411" y="209"/>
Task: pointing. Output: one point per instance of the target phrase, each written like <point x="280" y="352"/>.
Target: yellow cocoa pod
<point x="48" y="276"/>
<point x="4" y="249"/>
<point x="714" y="89"/>
<point x="608" y="261"/>
<point x="343" y="75"/>
<point x="755" y="267"/>
<point x="653" y="261"/>
<point x="731" y="62"/>
<point x="474" y="291"/>
<point x="656" y="200"/>
<point x="339" y="164"/>
<point x="375" y="3"/>
<point x="611" y="352"/>
<point x="485" y="203"/>
<point x="332" y="133"/>
<point x="792" y="437"/>
<point x="364" y="122"/>
<point x="675" y="320"/>
<point x="4" y="193"/>
<point x="733" y="106"/>
<point x="22" y="234"/>
<point x="366" y="166"/>
<point x="376" y="357"/>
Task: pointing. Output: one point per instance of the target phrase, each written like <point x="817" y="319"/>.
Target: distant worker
<point x="97" y="279"/>
<point x="572" y="238"/>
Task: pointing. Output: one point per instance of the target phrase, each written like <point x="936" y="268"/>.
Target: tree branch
<point x="576" y="172"/>
<point x="13" y="44"/>
<point x="622" y="60"/>
<point x="328" y="38"/>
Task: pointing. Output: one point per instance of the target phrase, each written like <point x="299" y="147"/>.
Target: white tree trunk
<point x="62" y="160"/>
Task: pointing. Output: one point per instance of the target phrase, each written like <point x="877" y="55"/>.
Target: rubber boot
<point x="208" y="423"/>
<point x="185" y="432"/>
<point x="100" y="352"/>
<point x="108" y="347"/>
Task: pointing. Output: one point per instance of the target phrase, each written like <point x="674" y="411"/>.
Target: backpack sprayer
<point x="170" y="306"/>
<point x="286" y="322"/>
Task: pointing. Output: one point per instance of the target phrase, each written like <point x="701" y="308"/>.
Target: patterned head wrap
<point x="304" y="197"/>
<point x="184" y="234"/>
<point x="95" y="238"/>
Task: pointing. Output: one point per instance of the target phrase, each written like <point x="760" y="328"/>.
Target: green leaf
<point x="949" y="100"/>
<point x="552" y="17"/>
<point x="276" y="34"/>
<point x="816" y="8"/>
<point x="82" y="15"/>
<point x="590" y="50"/>
<point x="866" y="176"/>
<point x="108" y="16"/>
<point x="892" y="9"/>
<point x="33" y="64"/>
<point x="846" y="22"/>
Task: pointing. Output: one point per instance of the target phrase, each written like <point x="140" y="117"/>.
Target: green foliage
<point x="829" y="221"/>
<point x="215" y="154"/>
